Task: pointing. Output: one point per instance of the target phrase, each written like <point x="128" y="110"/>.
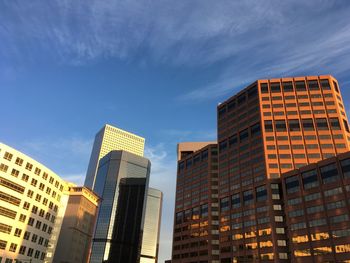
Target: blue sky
<point x="155" y="68"/>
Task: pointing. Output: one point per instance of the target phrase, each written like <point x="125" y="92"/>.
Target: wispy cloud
<point x="163" y="177"/>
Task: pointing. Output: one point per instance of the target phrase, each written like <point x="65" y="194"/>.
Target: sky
<point x="157" y="68"/>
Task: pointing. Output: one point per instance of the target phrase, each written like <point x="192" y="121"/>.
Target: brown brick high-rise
<point x="195" y="237"/>
<point x="271" y="127"/>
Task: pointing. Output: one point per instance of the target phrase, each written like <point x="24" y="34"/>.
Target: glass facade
<point x="114" y="169"/>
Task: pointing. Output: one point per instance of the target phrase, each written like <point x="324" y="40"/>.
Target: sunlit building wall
<point x="151" y="229"/>
<point x="108" y="139"/>
<point x="316" y="200"/>
<point x="32" y="205"/>
<point x="269" y="128"/>
<point x="75" y="238"/>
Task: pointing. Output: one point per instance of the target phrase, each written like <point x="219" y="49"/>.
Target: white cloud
<point x="163" y="177"/>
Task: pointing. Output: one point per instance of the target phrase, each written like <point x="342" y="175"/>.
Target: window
<point x="336" y="86"/>
<point x="204" y="210"/>
<point x="325" y="84"/>
<point x="268" y="126"/>
<point x="292" y="184"/>
<point x="300" y="86"/>
<point x="235" y="201"/>
<point x="19" y="161"/>
<point x="224" y="204"/>
<point x="264" y="88"/>
<point x="339" y="219"/>
<point x="345" y="165"/>
<point x="313" y="85"/>
<point x="322" y="124"/>
<point x="335" y="125"/>
<point x="346" y="125"/>
<point x="329" y="173"/>
<point x="29" y="166"/>
<point x="310" y="179"/>
<point x="233" y="140"/>
<point x="287" y="86"/>
<point x="248" y="197"/>
<point x="275" y="87"/>
<point x="243" y="135"/>
<point x="294" y="125"/>
<point x="255" y="129"/>
<point x="3" y="168"/>
<point x="8" y="156"/>
<point x="261" y="193"/>
<point x="280" y="125"/>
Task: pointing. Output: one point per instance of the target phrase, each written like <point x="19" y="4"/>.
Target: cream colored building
<point x="108" y="139"/>
<point x="74" y="243"/>
<point x="33" y="200"/>
<point x="151" y="228"/>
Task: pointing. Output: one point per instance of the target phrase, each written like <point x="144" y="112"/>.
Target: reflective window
<point x="329" y="173"/>
<point x="345" y="165"/>
<point x="310" y="179"/>
<point x="292" y="184"/>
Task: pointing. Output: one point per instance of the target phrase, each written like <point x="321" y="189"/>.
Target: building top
<point x="272" y="80"/>
<point x="30" y="163"/>
<point x="186" y="148"/>
<point x="84" y="191"/>
<point x="155" y="192"/>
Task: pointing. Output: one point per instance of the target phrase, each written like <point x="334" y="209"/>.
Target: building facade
<point x="151" y="229"/>
<point x="195" y="235"/>
<point x="108" y="139"/>
<point x="75" y="238"/>
<point x="271" y="127"/>
<point x="316" y="200"/>
<point x="32" y="205"/>
<point x="122" y="182"/>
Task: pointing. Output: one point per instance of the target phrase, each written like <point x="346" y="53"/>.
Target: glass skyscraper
<point x="122" y="182"/>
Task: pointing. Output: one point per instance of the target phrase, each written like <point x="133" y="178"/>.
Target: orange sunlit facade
<point x="271" y="127"/>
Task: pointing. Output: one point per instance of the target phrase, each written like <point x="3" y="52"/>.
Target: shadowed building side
<point x="74" y="243"/>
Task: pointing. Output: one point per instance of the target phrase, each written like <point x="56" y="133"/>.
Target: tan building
<point x="151" y="228"/>
<point x="74" y="243"/>
<point x="108" y="139"/>
<point x="185" y="148"/>
<point x="32" y="205"/>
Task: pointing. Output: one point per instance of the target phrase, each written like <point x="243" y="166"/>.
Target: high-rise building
<point x="108" y="139"/>
<point x="316" y="201"/>
<point x="151" y="229"/>
<point x="268" y="129"/>
<point x="32" y="205"/>
<point x="122" y="181"/>
<point x="195" y="236"/>
<point x="271" y="127"/>
<point x="75" y="238"/>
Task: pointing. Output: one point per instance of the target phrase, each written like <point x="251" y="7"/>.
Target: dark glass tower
<point x="122" y="182"/>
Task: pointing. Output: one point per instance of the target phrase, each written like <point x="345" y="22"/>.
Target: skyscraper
<point x="122" y="181"/>
<point x="195" y="236"/>
<point x="150" y="235"/>
<point x="75" y="237"/>
<point x="269" y="128"/>
<point x="108" y="139"/>
<point x="266" y="130"/>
